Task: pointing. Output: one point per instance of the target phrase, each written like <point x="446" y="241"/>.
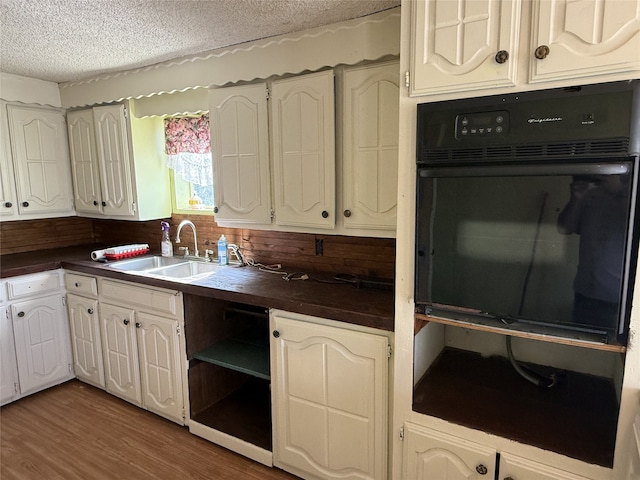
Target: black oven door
<point x="543" y="244"/>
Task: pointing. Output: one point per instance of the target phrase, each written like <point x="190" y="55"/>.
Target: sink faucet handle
<point x="235" y="251"/>
<point x="208" y="254"/>
<point x="184" y="251"/>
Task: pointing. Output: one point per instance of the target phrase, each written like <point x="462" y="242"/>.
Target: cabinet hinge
<point x="184" y="415"/>
<point x="407" y="79"/>
<point x="268" y="93"/>
<point x="272" y="214"/>
<point x="70" y="368"/>
<point x="16" y="387"/>
<point x="401" y="433"/>
<point x="178" y="329"/>
<point x="64" y="301"/>
<point x="389" y="351"/>
<point x="133" y="207"/>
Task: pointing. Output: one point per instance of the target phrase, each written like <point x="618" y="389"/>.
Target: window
<point x="188" y="149"/>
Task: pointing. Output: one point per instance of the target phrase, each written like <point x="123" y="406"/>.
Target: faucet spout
<point x="195" y="238"/>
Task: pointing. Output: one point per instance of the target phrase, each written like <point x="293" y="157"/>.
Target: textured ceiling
<point x="66" y="40"/>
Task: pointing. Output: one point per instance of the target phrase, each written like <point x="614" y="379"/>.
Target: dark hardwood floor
<point x="75" y="431"/>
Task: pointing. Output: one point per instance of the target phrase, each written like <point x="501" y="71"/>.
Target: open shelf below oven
<point x="576" y="418"/>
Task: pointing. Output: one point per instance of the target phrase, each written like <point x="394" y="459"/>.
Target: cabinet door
<point x="329" y="389"/>
<point x="112" y="143"/>
<point x="41" y="161"/>
<point x="42" y="343"/>
<point x="85" y="339"/>
<point x="433" y="455"/>
<point x="8" y="367"/>
<point x="302" y="122"/>
<point x="585" y="38"/>
<point x="119" y="349"/>
<point x="240" y="146"/>
<point x="370" y="182"/>
<point x="8" y="204"/>
<point x="84" y="162"/>
<point x="458" y="45"/>
<point x="518" y="468"/>
<point x="159" y="353"/>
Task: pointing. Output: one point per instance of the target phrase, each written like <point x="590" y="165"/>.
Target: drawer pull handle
<point x="25" y="204"/>
<point x="481" y="469"/>
<point x="276" y="334"/>
<point x="90" y="311"/>
<point x="77" y="284"/>
<point x="347" y="213"/>
<point x="95" y="203"/>
<point x="126" y="321"/>
<point x="138" y="325"/>
<point x="8" y="204"/>
<point x="21" y="314"/>
<point x="325" y="214"/>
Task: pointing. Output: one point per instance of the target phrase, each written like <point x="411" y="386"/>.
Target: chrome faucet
<point x="195" y="238"/>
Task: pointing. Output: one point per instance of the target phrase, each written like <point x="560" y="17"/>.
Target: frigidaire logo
<point x="545" y="120"/>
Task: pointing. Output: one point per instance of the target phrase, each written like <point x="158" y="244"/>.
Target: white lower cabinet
<point x="9" y="386"/>
<point x="85" y="336"/>
<point x="329" y="394"/>
<point x="36" y="353"/>
<point x="142" y="346"/>
<point x="84" y="323"/>
<point x="434" y="455"/>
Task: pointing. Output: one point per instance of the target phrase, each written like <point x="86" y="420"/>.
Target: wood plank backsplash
<point x="31" y="235"/>
<point x="362" y="256"/>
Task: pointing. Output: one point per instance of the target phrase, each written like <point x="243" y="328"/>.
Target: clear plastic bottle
<point x="223" y="255"/>
<point x="166" y="247"/>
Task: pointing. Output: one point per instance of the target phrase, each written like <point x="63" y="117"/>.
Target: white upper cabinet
<point x="84" y="161"/>
<point x="572" y="39"/>
<point x="114" y="162"/>
<point x="240" y="148"/>
<point x="118" y="164"/>
<point x="463" y="45"/>
<point x="303" y="146"/>
<point x="8" y="202"/>
<point x="37" y="183"/>
<point x="370" y="147"/>
<point x="274" y="156"/>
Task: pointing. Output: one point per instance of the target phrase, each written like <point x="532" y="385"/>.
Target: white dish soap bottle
<point x="166" y="247"/>
<point x="223" y="256"/>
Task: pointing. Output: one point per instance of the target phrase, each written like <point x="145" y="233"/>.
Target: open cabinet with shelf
<point x="473" y="382"/>
<point x="229" y="378"/>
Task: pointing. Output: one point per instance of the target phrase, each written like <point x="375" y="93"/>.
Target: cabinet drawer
<point x="81" y="284"/>
<point x="167" y="302"/>
<point x="36" y="284"/>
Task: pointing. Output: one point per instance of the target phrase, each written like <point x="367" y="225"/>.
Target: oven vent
<point x="561" y="150"/>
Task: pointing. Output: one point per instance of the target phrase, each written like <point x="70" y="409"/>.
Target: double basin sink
<point x="168" y="268"/>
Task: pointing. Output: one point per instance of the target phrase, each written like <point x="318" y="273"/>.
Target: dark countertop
<point x="319" y="296"/>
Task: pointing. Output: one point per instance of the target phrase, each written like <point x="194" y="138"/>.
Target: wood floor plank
<point x="75" y="431"/>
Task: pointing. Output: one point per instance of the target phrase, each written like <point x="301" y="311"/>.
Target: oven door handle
<point x="609" y="168"/>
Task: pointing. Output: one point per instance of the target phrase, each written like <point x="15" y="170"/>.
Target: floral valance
<point x="188" y="148"/>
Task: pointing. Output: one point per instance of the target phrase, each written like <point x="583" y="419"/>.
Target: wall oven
<point x="526" y="209"/>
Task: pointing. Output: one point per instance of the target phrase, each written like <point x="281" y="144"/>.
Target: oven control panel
<point x="483" y="124"/>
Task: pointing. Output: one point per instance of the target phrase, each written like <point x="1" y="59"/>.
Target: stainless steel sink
<point x="146" y="263"/>
<point x="185" y="270"/>
<point x="170" y="268"/>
